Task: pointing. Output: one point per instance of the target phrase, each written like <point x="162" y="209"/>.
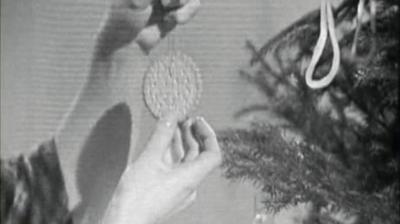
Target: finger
<point x="185" y="13"/>
<point x="209" y="158"/>
<point x="173" y="3"/>
<point x="189" y="142"/>
<point x="177" y="147"/>
<point x="152" y="34"/>
<point x="163" y="134"/>
<point x="138" y="4"/>
<point x="205" y="135"/>
<point x="149" y="37"/>
<point x="210" y="152"/>
<point x="174" y="154"/>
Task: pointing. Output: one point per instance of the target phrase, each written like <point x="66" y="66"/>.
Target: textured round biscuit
<point x="172" y="84"/>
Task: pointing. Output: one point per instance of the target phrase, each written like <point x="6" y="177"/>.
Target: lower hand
<point x="156" y="185"/>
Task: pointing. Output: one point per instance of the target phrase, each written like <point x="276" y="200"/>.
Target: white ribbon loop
<point x="327" y="26"/>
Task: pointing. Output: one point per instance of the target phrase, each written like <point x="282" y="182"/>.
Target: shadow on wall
<point x="101" y="163"/>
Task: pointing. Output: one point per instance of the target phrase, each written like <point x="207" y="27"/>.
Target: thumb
<point x="163" y="134"/>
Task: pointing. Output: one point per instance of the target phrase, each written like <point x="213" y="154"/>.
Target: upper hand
<point x="159" y="184"/>
<point x="145" y="21"/>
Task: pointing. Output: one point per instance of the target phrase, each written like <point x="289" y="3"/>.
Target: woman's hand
<point x="159" y="184"/>
<point x="115" y="78"/>
<point x="145" y="21"/>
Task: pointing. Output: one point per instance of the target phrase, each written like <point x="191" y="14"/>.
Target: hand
<point x="145" y="21"/>
<point x="110" y="80"/>
<point x="156" y="186"/>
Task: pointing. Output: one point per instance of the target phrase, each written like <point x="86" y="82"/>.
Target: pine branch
<point x="344" y="152"/>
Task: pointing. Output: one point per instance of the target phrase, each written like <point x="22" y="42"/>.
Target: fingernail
<point x="205" y="124"/>
<point x="165" y="3"/>
<point x="169" y="120"/>
<point x="183" y="121"/>
<point x="168" y="124"/>
<point x="200" y="119"/>
<point x="139" y="4"/>
<point x="170" y="3"/>
<point x="188" y="122"/>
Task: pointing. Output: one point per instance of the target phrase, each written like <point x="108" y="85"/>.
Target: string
<point x="327" y="26"/>
<point x="173" y="37"/>
<point x="360" y="13"/>
<point x="169" y="43"/>
<point x="373" y="9"/>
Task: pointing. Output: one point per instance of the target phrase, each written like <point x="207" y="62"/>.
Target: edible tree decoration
<point x="337" y="146"/>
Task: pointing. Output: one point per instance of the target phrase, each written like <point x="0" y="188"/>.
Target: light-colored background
<point x="45" y="52"/>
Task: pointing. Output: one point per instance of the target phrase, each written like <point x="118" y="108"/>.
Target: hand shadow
<point x="102" y="160"/>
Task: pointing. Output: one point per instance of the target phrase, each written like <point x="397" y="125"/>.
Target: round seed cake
<point x="172" y="84"/>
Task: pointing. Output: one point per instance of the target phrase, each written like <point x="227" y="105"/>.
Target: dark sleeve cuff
<point x="33" y="189"/>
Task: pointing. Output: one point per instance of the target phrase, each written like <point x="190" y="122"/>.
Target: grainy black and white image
<point x="200" y="111"/>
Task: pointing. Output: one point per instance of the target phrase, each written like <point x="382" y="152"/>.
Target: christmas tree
<point x="337" y="147"/>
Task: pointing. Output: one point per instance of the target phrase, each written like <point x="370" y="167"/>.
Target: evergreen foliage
<point x="343" y="153"/>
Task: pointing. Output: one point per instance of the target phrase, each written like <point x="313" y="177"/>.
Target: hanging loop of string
<point x="327" y="27"/>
